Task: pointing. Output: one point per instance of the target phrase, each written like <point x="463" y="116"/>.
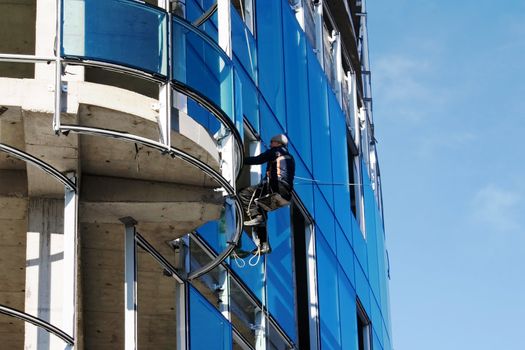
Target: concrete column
<point x="46" y="11"/>
<point x="44" y="265"/>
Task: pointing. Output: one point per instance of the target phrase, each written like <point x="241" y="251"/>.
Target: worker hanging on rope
<point x="272" y="193"/>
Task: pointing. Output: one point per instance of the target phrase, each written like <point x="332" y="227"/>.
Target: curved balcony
<point x="165" y="167"/>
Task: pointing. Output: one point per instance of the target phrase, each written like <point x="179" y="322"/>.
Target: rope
<point x="256" y="256"/>
<point x="306" y="180"/>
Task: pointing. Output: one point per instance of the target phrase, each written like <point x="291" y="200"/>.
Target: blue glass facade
<point x="273" y="80"/>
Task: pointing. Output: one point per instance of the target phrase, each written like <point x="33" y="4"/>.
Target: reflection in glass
<point x="202" y="66"/>
<point x="136" y="37"/>
<point x="243" y="313"/>
<point x="211" y="284"/>
<point x="281" y="294"/>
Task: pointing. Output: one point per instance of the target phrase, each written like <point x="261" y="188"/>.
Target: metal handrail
<point x="37" y="322"/>
<point x="26" y="157"/>
<point x="174" y="152"/>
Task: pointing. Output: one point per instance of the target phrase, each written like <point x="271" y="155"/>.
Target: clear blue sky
<point x="449" y="100"/>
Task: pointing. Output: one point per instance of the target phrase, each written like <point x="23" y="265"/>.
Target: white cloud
<point x="406" y="85"/>
<point x="497" y="207"/>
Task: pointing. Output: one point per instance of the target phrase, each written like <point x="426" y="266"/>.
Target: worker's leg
<point x="247" y="197"/>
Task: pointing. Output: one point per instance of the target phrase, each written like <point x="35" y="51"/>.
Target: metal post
<point x="338" y="67"/>
<point x="130" y="284"/>
<point x="182" y="316"/>
<point x="313" y="301"/>
<point x="319" y="42"/>
<point x="165" y="97"/>
<point x="58" y="69"/>
<point x="70" y="260"/>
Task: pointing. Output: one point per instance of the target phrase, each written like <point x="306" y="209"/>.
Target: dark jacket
<point x="280" y="166"/>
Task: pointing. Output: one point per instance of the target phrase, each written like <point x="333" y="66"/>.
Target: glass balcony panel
<point x="251" y="276"/>
<point x="208" y="328"/>
<point x="136" y="36"/>
<point x="210" y="284"/>
<point x="244" y="312"/>
<point x="202" y="66"/>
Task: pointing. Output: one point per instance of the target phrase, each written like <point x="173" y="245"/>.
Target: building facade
<point x="123" y="129"/>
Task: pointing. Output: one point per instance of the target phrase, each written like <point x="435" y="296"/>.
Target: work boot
<point x="255" y="221"/>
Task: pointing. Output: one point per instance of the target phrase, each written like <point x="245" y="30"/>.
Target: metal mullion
<point x="130" y="285"/>
<point x="70" y="259"/>
<point x="144" y="244"/>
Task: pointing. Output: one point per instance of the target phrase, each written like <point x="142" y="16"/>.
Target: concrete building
<point x="123" y="128"/>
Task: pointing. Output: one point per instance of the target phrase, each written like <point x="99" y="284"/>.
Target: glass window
<point x="243" y="45"/>
<point x="249" y="94"/>
<point x="320" y="124"/>
<point x="206" y="320"/>
<point x="244" y="11"/>
<point x="269" y="125"/>
<point x="137" y="37"/>
<point x="364" y="331"/>
<point x="281" y="292"/>
<point x="345" y="254"/>
<point x="298" y="110"/>
<point x="328" y="296"/>
<point x="347" y="305"/>
<point x="270" y="56"/>
<point x="339" y="164"/>
<point x="324" y="218"/>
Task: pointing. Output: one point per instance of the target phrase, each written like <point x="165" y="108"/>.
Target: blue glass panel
<point x="302" y="185"/>
<point x="202" y="65"/>
<point x="359" y="244"/>
<point x="210" y="232"/>
<point x="281" y="292"/>
<point x="340" y="164"/>
<point x="249" y="97"/>
<point x="243" y="44"/>
<point x="297" y="106"/>
<point x="270" y="55"/>
<point x="136" y="37"/>
<point x="376" y="342"/>
<point x="206" y="320"/>
<point x="269" y="125"/>
<point x="324" y="218"/>
<point x="217" y="233"/>
<point x="362" y="287"/>
<point x="252" y="276"/>
<point x="377" y="319"/>
<point x="345" y="254"/>
<point x="328" y="296"/>
<point x="371" y="234"/>
<point x="347" y="305"/>
<point x="194" y="9"/>
<point x="203" y="117"/>
<point x="319" y="118"/>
